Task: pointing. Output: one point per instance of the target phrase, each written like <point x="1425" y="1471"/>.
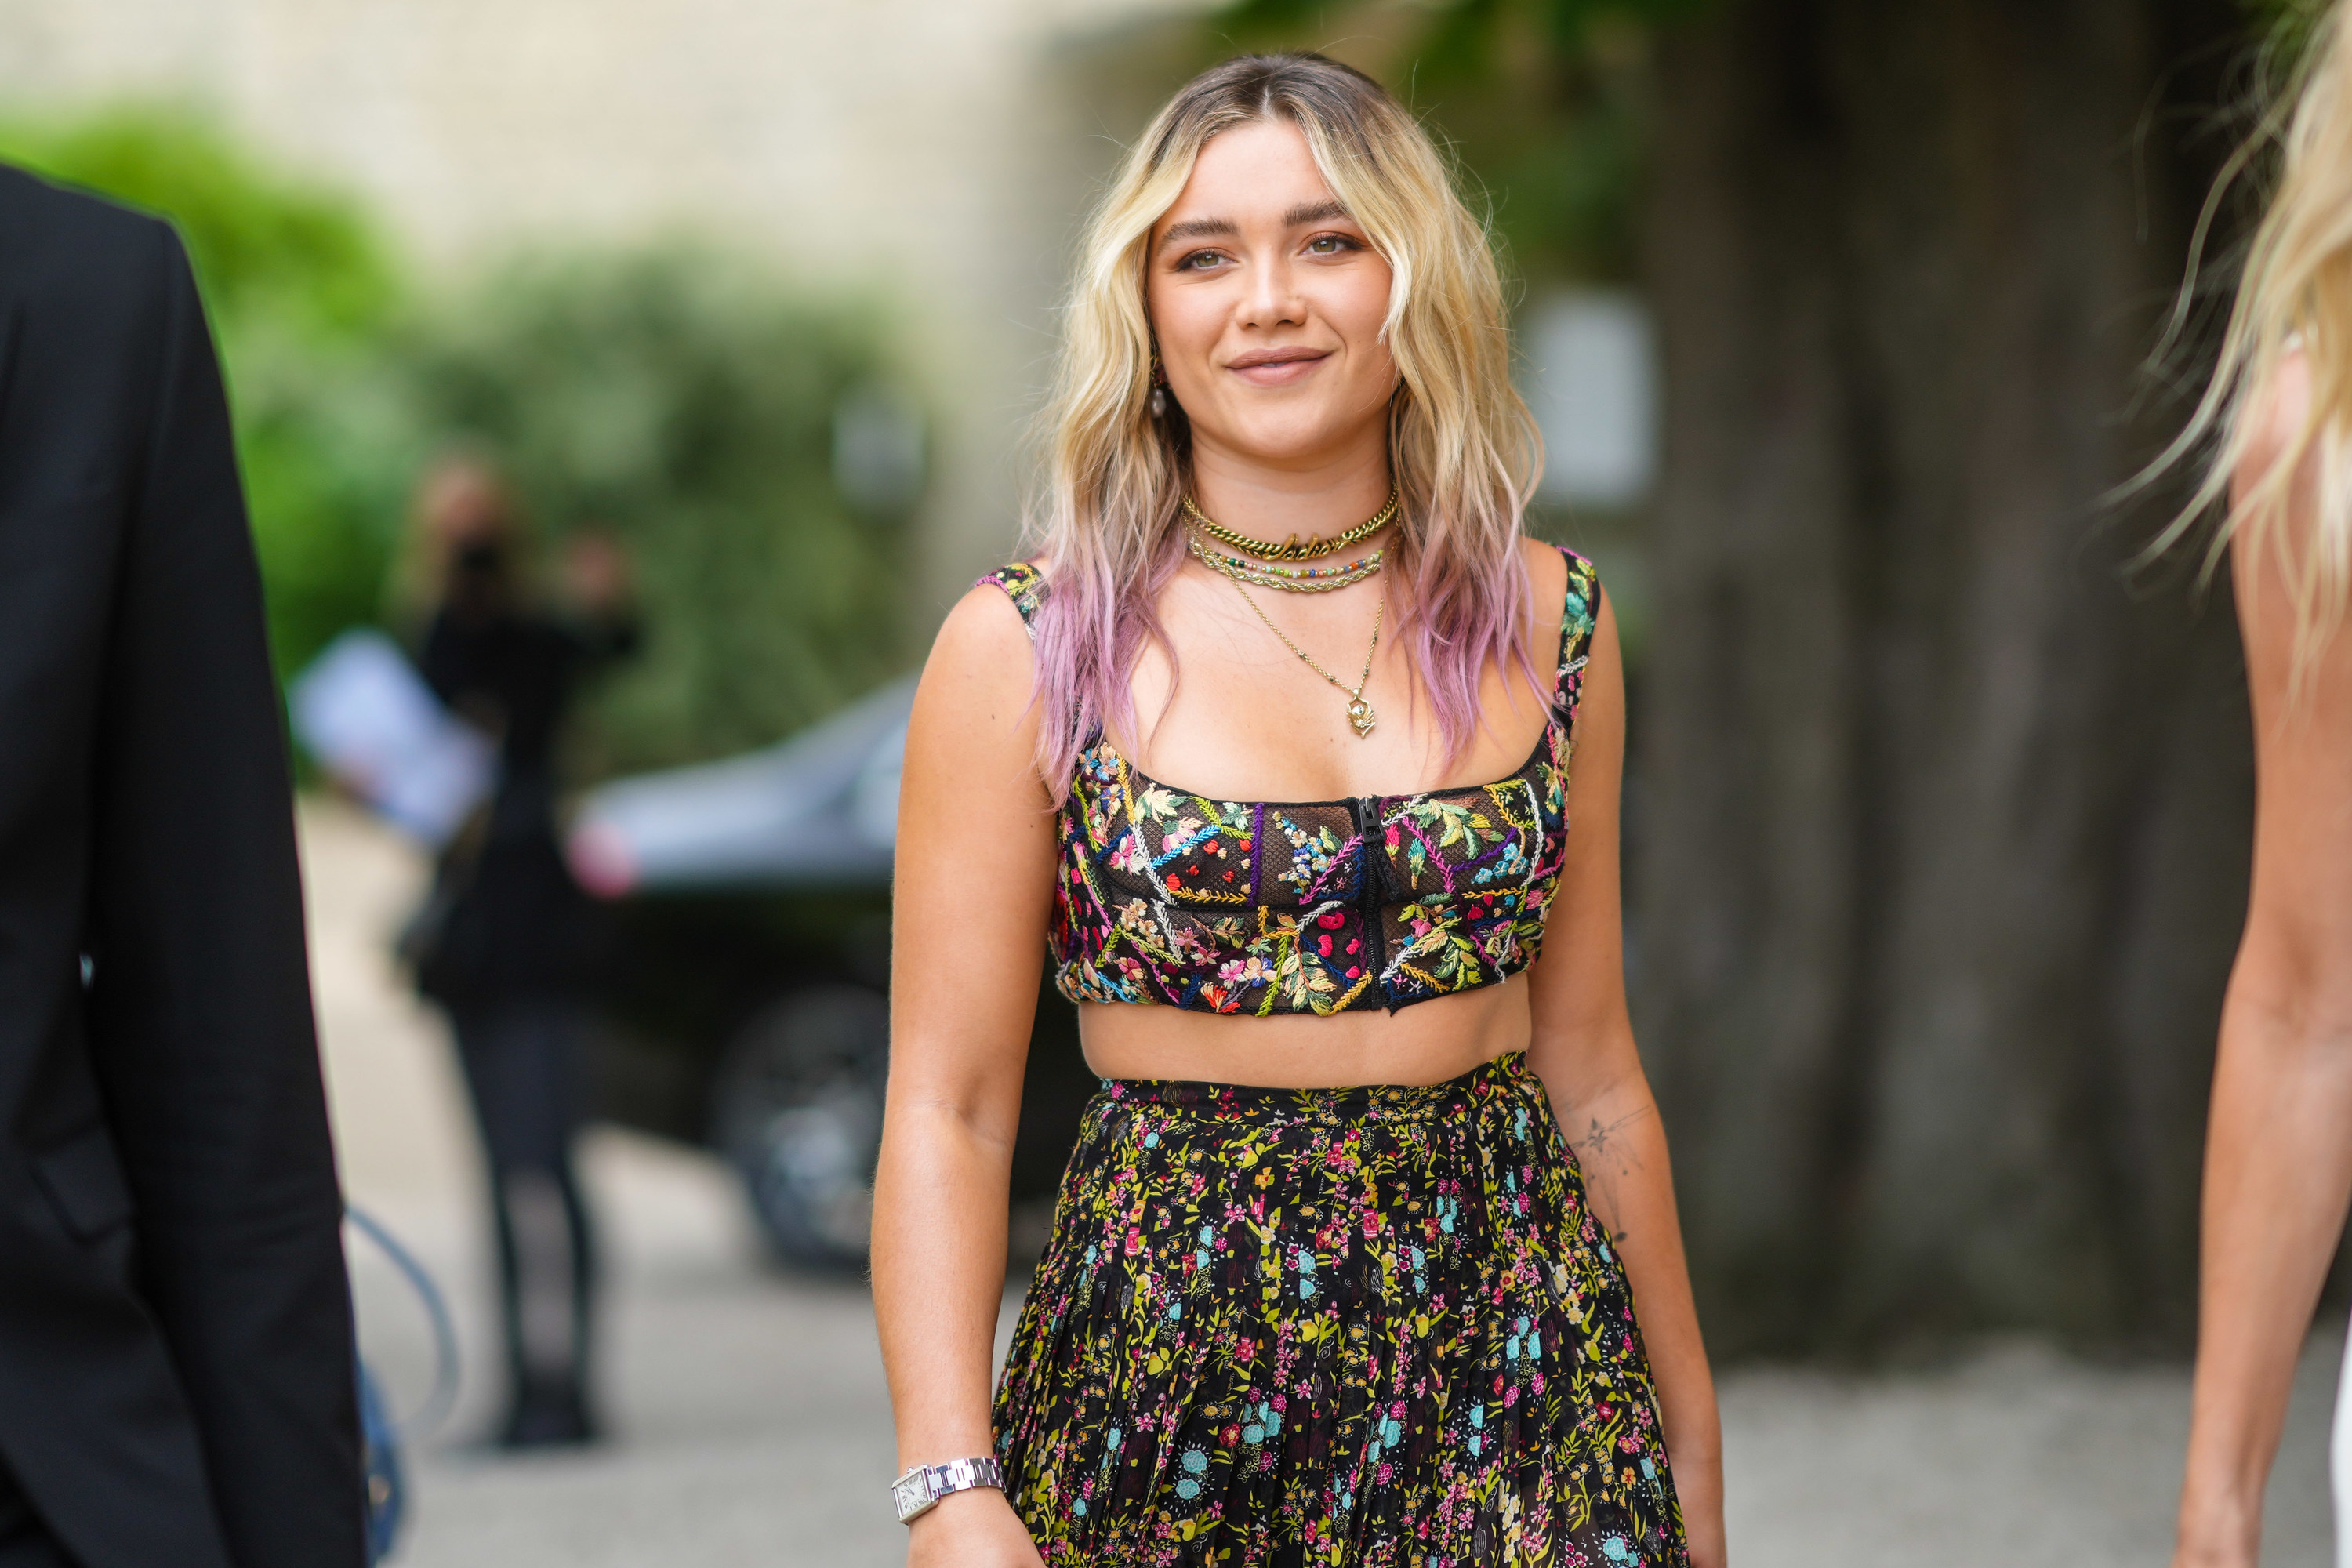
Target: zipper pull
<point x="1371" y="837"/>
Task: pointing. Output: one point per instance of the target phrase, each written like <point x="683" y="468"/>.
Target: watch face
<point x="911" y="1496"/>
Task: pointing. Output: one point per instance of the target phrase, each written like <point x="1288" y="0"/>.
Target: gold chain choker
<point x="1293" y="548"/>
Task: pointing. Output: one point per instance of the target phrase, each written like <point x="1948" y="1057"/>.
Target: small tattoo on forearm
<point x="1593" y="1143"/>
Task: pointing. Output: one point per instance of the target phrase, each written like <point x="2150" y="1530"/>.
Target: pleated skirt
<point x="1372" y="1326"/>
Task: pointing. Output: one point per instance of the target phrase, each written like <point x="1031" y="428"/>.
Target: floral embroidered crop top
<point x="1266" y="907"/>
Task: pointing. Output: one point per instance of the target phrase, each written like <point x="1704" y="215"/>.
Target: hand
<point x="1703" y="1536"/>
<point x="977" y="1529"/>
<point x="1698" y="1488"/>
<point x="2217" y="1534"/>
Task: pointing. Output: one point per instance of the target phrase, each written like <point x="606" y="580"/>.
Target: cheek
<point x="1186" y="323"/>
<point x="1359" y="307"/>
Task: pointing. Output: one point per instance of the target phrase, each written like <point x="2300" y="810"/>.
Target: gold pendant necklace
<point x="1359" y="713"/>
<point x="1293" y="548"/>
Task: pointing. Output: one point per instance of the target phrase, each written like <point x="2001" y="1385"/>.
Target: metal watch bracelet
<point x="918" y="1491"/>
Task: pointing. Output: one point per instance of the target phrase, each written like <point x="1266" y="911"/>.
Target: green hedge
<point x="680" y="401"/>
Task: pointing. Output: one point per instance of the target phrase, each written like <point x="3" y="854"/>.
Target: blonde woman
<point x="1268" y="750"/>
<point x="2278" y="1166"/>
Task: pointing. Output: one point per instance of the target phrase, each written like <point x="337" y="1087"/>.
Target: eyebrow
<point x="1204" y="227"/>
<point x="1197" y="228"/>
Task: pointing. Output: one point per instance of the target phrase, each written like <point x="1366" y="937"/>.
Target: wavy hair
<point x="1462" y="450"/>
<point x="2295" y="291"/>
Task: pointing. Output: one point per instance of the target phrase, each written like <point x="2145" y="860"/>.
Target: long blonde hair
<point x="1462" y="450"/>
<point x="2294" y="293"/>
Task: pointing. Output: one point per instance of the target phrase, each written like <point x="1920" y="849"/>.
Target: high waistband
<point x="1506" y="1075"/>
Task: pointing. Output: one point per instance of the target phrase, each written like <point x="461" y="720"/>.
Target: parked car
<point x="745" y="1001"/>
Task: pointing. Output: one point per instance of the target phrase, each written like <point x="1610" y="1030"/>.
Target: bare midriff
<point x="1426" y="1043"/>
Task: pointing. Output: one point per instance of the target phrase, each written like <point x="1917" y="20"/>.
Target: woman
<point x="2278" y="1166"/>
<point x="504" y="942"/>
<point x="1327" y="1283"/>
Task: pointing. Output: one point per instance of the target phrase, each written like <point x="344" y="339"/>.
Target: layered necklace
<point x="1258" y="564"/>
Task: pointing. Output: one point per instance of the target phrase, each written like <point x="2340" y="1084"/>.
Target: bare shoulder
<point x="972" y="708"/>
<point x="2275" y="418"/>
<point x="1546" y="574"/>
<point x="2281" y="508"/>
<point x="985" y="625"/>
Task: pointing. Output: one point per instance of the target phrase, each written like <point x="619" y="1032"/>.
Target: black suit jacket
<point x="176" y="1332"/>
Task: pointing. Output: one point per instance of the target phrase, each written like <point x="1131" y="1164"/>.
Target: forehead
<point x="1254" y="171"/>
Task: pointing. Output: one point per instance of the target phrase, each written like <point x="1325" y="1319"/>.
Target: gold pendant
<point x="1360" y="714"/>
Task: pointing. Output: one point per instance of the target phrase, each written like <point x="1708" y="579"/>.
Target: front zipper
<point x="1371" y="883"/>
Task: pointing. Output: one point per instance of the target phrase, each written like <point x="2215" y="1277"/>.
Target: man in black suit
<point x="176" y="1333"/>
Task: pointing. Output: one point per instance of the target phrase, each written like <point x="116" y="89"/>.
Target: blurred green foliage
<point x="682" y="400"/>
<point x="679" y="400"/>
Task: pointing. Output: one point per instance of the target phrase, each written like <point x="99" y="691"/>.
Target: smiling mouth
<point x="1260" y="359"/>
<point x="1277" y="367"/>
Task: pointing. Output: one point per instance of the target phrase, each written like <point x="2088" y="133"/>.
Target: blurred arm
<point x="2278" y="1154"/>
<point x="200" y="1026"/>
<point x="974" y="882"/>
<point x="1582" y="1049"/>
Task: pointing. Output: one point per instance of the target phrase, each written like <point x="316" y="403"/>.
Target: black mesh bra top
<point x="1273" y="906"/>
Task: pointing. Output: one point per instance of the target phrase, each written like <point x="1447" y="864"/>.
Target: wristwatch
<point x="920" y="1490"/>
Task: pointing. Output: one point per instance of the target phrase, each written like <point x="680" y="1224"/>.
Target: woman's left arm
<point x="1582" y="1049"/>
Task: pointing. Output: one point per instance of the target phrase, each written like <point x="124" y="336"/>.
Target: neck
<point x="1273" y="503"/>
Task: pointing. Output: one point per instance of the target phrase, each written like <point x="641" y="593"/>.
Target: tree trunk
<point x="1944" y="821"/>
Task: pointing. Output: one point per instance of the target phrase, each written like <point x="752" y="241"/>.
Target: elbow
<point x="2289" y="1013"/>
<point x="972" y="1123"/>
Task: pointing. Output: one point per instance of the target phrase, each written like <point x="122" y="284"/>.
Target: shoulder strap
<point x="1579" y="612"/>
<point x="1025" y="586"/>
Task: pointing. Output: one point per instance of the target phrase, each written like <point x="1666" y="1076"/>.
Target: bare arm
<point x="974" y="882"/>
<point x="1582" y="1048"/>
<point x="2278" y="1156"/>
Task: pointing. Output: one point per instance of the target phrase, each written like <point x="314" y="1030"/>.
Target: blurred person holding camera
<point x="2278" y="1164"/>
<point x="1347" y="1263"/>
<point x="505" y="940"/>
<point x="177" y="1383"/>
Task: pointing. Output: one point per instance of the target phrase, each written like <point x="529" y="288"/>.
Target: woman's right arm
<point x="2278" y="1158"/>
<point x="974" y="879"/>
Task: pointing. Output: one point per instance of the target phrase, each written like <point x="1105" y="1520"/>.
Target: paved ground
<point x="753" y="1427"/>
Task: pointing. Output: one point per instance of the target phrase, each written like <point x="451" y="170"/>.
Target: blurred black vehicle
<point x="745" y="1003"/>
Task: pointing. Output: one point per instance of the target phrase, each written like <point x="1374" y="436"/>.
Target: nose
<point x="1273" y="299"/>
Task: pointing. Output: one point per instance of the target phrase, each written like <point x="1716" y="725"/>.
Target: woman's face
<point x="1266" y="300"/>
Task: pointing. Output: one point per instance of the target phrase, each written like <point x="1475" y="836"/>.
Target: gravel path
<point x="753" y="1426"/>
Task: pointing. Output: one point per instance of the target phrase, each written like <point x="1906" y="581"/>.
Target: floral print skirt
<point x="1372" y="1327"/>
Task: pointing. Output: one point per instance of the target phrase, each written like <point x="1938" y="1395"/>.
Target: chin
<point x="1298" y="435"/>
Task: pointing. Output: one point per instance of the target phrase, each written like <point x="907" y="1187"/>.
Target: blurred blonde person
<point x="2278" y="1166"/>
<point x="1347" y="1261"/>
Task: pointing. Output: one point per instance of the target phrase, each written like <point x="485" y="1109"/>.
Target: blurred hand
<point x="2217" y="1535"/>
<point x="595" y="571"/>
<point x="1705" y="1539"/>
<point x="977" y="1529"/>
<point x="1702" y="1505"/>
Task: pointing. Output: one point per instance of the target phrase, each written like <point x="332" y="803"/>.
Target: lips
<point x="1277" y="367"/>
<point x="1257" y="357"/>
